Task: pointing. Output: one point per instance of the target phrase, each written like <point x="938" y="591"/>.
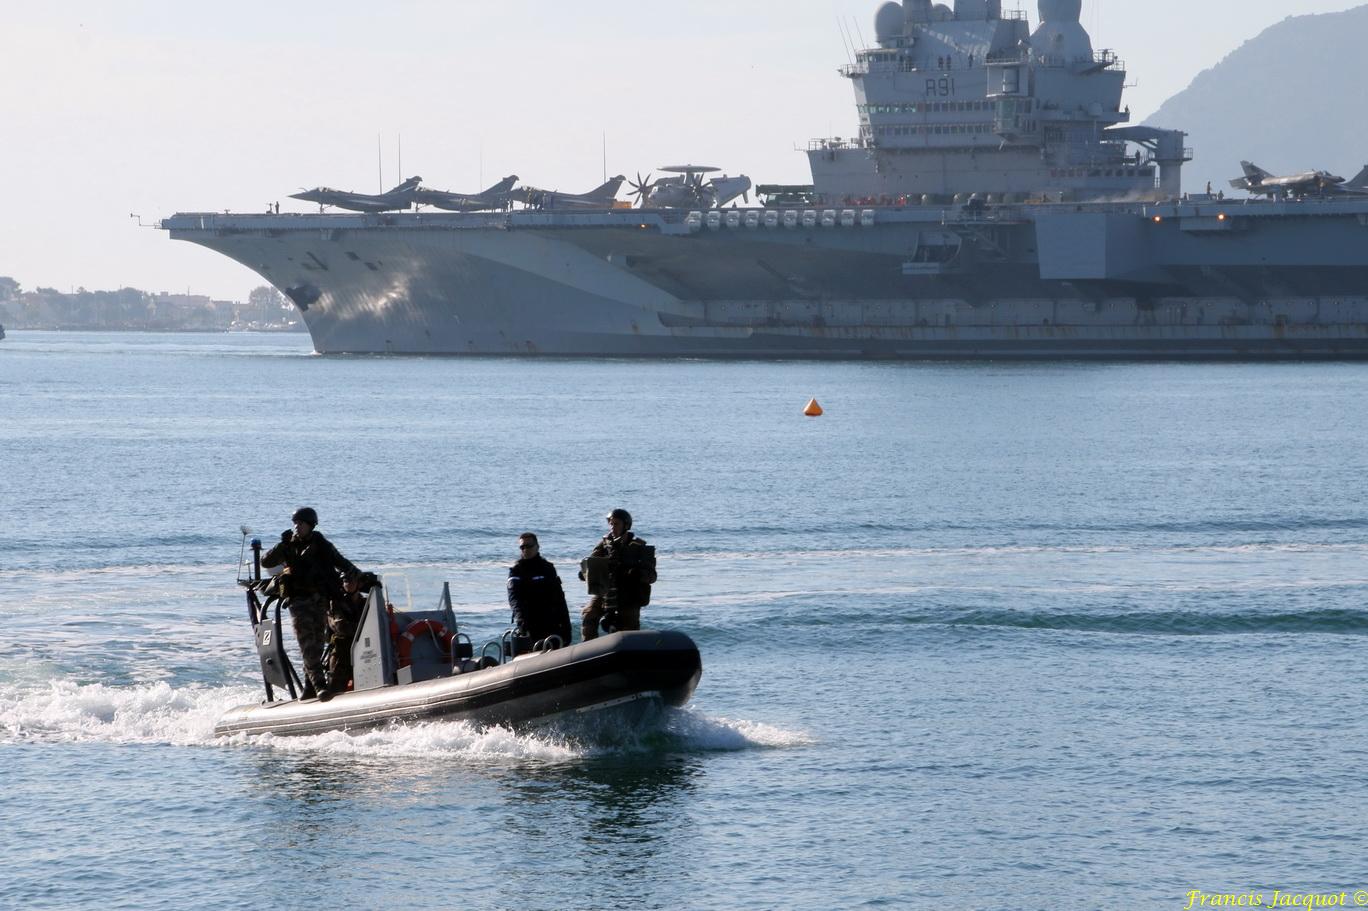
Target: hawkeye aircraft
<point x="1307" y="183"/>
<point x="498" y="196"/>
<point x="401" y="197"/>
<point x="688" y="189"/>
<point x="599" y="198"/>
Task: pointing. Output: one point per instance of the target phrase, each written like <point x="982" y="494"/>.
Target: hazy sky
<point x="152" y="107"/>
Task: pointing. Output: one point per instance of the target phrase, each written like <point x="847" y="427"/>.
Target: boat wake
<point x="64" y="711"/>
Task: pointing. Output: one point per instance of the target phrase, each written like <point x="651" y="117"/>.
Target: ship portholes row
<point x="948" y="129"/>
<point x="1102" y="172"/>
<point x="946" y="107"/>
<point x="788" y="218"/>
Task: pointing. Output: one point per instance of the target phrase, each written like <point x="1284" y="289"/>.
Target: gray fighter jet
<point x="599" y="198"/>
<point x="496" y="197"/>
<point x="401" y="197"/>
<point x="1307" y="183"/>
<point x="688" y="189"/>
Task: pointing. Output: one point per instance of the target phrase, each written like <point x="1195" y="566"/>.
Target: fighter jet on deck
<point x="401" y="197"/>
<point x="1307" y="183"/>
<point x="600" y="198"/>
<point x="496" y="197"/>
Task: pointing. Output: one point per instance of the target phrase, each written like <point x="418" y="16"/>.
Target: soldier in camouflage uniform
<point x="631" y="573"/>
<point x="342" y="619"/>
<point x="311" y="579"/>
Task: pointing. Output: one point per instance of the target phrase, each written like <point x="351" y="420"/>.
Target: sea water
<point x="983" y="636"/>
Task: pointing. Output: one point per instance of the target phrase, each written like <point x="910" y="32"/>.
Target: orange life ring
<point x="404" y="643"/>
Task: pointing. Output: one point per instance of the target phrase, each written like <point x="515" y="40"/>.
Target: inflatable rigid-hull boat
<point x="661" y="666"/>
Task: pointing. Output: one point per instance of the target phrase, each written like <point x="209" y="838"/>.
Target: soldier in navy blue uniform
<point x="536" y="597"/>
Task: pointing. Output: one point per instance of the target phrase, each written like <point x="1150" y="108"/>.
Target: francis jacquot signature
<point x="1196" y="898"/>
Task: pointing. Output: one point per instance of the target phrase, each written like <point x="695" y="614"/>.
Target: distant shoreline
<point x="158" y="330"/>
<point x="132" y="310"/>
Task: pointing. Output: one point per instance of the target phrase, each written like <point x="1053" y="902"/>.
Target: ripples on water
<point x="1053" y="636"/>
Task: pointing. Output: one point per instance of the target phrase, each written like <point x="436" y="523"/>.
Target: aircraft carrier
<point x="995" y="204"/>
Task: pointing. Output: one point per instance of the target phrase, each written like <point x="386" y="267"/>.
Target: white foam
<point x="435" y="739"/>
<point x="70" y="712"/>
<point x="65" y="711"/>
<point x="700" y="732"/>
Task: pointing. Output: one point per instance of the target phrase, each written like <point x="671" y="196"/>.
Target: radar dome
<point x="971" y="9"/>
<point x="1060" y="35"/>
<point x="917" y="10"/>
<point x="1061" y="10"/>
<point x="941" y="13"/>
<point x="888" y="21"/>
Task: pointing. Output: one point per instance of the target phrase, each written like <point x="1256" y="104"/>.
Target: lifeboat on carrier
<point x="414" y="666"/>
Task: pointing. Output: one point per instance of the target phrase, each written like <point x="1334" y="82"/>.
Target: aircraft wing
<point x="531" y="195"/>
<point x="598" y="198"/>
<point x="728" y="188"/>
<point x="352" y="202"/>
<point x="452" y="202"/>
<point x="401" y="197"/>
<point x="361" y="206"/>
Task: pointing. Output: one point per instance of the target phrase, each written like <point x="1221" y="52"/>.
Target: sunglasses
<point x="526" y="546"/>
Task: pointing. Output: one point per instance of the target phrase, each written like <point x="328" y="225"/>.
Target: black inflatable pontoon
<point x="414" y="666"/>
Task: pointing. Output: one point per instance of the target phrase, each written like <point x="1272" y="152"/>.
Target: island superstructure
<point x="995" y="202"/>
<point x="969" y="100"/>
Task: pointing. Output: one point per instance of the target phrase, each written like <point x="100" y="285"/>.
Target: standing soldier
<point x="620" y="573"/>
<point x="312" y="578"/>
<point x="536" y="597"/>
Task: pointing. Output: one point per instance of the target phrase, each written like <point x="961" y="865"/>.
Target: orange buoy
<point x="813" y="410"/>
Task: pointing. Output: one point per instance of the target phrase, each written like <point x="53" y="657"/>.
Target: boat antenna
<point x="400" y="143"/>
<point x="858" y="31"/>
<point x="605" y="156"/>
<point x="380" y="161"/>
<point x="242" y="553"/>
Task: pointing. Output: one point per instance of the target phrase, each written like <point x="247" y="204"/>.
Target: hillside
<point x="1288" y="100"/>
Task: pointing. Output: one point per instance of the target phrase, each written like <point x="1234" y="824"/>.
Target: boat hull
<point x="1194" y="281"/>
<point x="663" y="666"/>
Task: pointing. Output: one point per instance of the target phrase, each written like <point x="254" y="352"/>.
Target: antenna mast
<point x="845" y="44"/>
<point x="858" y="31"/>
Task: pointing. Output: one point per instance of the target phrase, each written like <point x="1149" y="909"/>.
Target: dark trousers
<point x="339" y="660"/>
<point x="620" y="617"/>
<point x="309" y="614"/>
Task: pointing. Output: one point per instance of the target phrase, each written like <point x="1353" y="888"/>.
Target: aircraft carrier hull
<point x="1208" y="279"/>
